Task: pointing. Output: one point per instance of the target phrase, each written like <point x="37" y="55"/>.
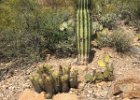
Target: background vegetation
<point x="30" y="28"/>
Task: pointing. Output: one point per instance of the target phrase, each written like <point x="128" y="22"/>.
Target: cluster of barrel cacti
<point x="104" y="74"/>
<point x="83" y="27"/>
<point x="54" y="81"/>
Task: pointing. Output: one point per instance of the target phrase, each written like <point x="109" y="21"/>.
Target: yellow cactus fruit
<point x="101" y="63"/>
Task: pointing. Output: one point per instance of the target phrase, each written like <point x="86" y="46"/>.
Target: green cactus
<point x="44" y="69"/>
<point x="57" y="83"/>
<point x="74" y="79"/>
<point x="83" y="30"/>
<point x="54" y="81"/>
<point x="98" y="76"/>
<point x="49" y="86"/>
<point x="35" y="82"/>
<point x="107" y="75"/>
<point x="89" y="78"/>
<point x="66" y="70"/>
<point x="61" y="70"/>
<point x="40" y="70"/>
<point x="65" y="85"/>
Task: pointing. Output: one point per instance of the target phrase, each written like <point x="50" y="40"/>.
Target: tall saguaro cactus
<point x="83" y="30"/>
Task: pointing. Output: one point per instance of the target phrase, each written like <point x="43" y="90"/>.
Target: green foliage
<point x="109" y="20"/>
<point x="88" y="77"/>
<point x="96" y="26"/>
<point x="54" y="81"/>
<point x="103" y="38"/>
<point x="118" y="39"/>
<point x="27" y="30"/>
<point x="58" y="41"/>
<point x="121" y="41"/>
<point x="104" y="6"/>
<point x="107" y="12"/>
<point x="108" y="72"/>
<point x="105" y="75"/>
<point x="138" y="36"/>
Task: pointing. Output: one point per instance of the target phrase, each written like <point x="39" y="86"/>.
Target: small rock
<point x="90" y="91"/>
<point x="126" y="99"/>
<point x="88" y="95"/>
<point x="65" y="96"/>
<point x="103" y="93"/>
<point x="81" y="85"/>
<point x="100" y="84"/>
<point x="31" y="95"/>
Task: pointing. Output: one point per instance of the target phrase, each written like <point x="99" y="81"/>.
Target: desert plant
<point x="103" y="38"/>
<point x="54" y="81"/>
<point x="83" y="30"/>
<point x="118" y="39"/>
<point x="105" y="74"/>
<point x="60" y="42"/>
<point x="121" y="41"/>
<point x="109" y="20"/>
<point x="89" y="77"/>
<point x="27" y="30"/>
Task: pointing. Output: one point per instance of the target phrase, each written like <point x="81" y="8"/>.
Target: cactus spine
<point x="83" y="31"/>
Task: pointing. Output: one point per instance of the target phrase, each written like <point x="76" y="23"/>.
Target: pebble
<point x="126" y="99"/>
<point x="88" y="95"/>
<point x="90" y="91"/>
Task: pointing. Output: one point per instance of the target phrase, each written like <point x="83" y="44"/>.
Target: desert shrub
<point x="108" y="11"/>
<point x="18" y="37"/>
<point x="138" y="25"/>
<point x="118" y="39"/>
<point x="103" y="38"/>
<point x="96" y="26"/>
<point x="27" y="30"/>
<point x="121" y="41"/>
<point x="58" y="41"/>
<point x="109" y="20"/>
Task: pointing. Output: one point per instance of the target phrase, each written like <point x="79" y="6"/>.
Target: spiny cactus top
<point x="81" y="3"/>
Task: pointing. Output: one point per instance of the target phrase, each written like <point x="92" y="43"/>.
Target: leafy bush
<point x="58" y="41"/>
<point x="96" y="26"/>
<point x="121" y="41"/>
<point x="27" y="30"/>
<point x="103" y="38"/>
<point x="118" y="39"/>
<point x="20" y="45"/>
<point x="109" y="20"/>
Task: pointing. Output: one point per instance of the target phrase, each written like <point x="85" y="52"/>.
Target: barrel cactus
<point x="83" y="27"/>
<point x="54" y="81"/>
